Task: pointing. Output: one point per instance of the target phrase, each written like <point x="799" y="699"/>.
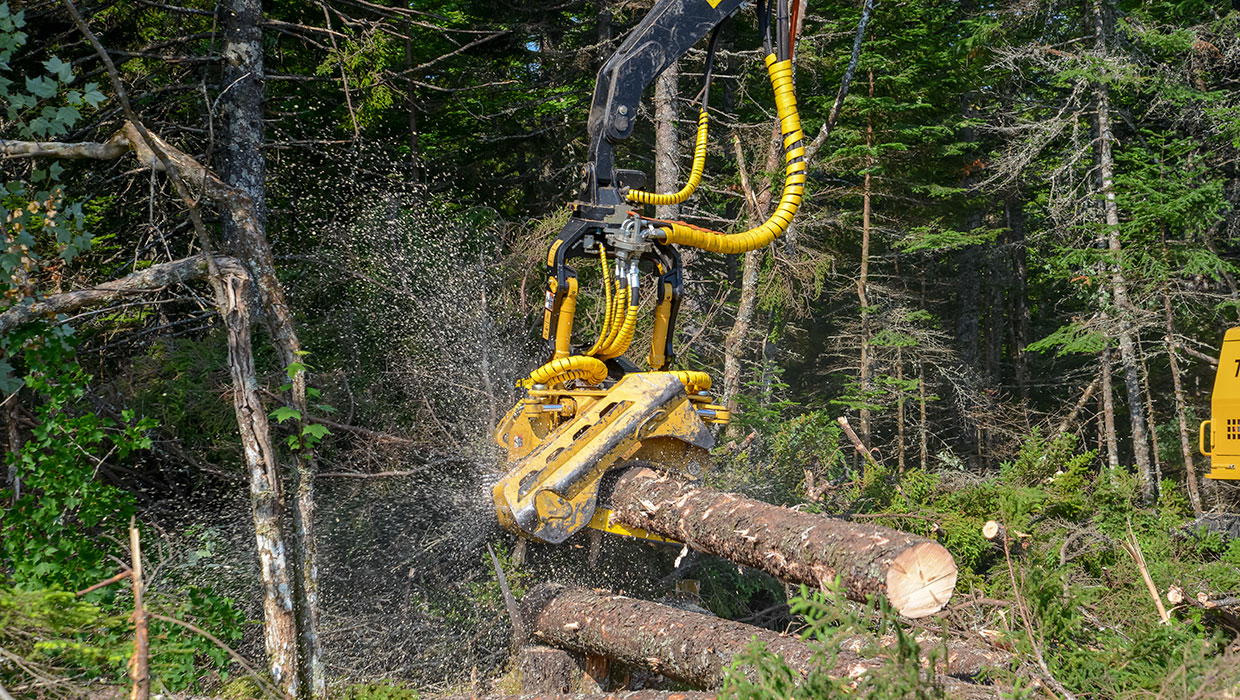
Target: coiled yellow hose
<point x="590" y="369"/>
<point x="695" y="173"/>
<point x="606" y="329"/>
<point x="618" y="311"/>
<point x="694" y="380"/>
<point x="795" y="172"/>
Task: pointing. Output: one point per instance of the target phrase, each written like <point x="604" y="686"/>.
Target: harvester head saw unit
<point x="588" y="410"/>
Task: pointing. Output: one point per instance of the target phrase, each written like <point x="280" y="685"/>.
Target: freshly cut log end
<point x="921" y="579"/>
<point x="1175" y="595"/>
<point x="992" y="529"/>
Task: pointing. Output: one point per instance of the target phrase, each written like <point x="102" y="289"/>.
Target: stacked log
<point x="916" y="575"/>
<point x="685" y="646"/>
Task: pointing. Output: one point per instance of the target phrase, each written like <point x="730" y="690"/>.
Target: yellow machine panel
<point x="561" y="442"/>
<point x="1223" y="428"/>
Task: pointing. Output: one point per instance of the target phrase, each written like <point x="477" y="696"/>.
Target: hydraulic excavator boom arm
<point x="588" y="410"/>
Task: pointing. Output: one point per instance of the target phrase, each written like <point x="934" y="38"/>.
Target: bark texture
<point x="666" y="148"/>
<point x="549" y="670"/>
<point x="915" y="574"/>
<point x="685" y="646"/>
<point x="280" y="628"/>
<point x="1181" y="410"/>
<point x="242" y="106"/>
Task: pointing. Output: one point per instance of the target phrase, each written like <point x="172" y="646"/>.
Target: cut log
<point x="549" y="670"/>
<point x="916" y="575"/>
<point x="964" y="661"/>
<point x="992" y="529"/>
<point x="685" y="646"/>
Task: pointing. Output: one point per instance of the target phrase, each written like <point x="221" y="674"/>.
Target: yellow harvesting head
<point x="562" y="441"/>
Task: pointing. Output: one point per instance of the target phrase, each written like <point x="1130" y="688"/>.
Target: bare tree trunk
<point x="260" y="457"/>
<point x="916" y="575"/>
<point x="666" y="148"/>
<point x="245" y="171"/>
<point x="1128" y="353"/>
<point x="864" y="369"/>
<point x="13" y="480"/>
<point x="900" y="409"/>
<point x="245" y="234"/>
<point x="1108" y="410"/>
<point x="1186" y="443"/>
<point x="1151" y="416"/>
<point x="242" y="106"/>
<point x="734" y="342"/>
<point x="923" y="437"/>
<point x="230" y="291"/>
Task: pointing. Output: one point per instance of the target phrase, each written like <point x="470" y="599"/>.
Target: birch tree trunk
<point x="245" y="233"/>
<point x="1128" y="353"/>
<point x="231" y="282"/>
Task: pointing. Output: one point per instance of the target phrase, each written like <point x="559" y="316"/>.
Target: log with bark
<point x="916" y="575"/>
<point x="684" y="646"/>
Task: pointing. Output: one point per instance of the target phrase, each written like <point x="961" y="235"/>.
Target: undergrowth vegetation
<point x="1063" y="582"/>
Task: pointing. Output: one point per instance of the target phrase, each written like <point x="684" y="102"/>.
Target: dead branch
<point x="142" y="282"/>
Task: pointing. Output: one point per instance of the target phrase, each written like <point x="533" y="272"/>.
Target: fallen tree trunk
<point x="689" y="647"/>
<point x="916" y="575"/>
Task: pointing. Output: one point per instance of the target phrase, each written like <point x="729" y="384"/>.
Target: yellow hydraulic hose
<point x="695" y="173"/>
<point x="694" y="380"/>
<point x="794" y="180"/>
<point x="606" y="329"/>
<point x="625" y="336"/>
<point x="573" y="367"/>
<point x="618" y="311"/>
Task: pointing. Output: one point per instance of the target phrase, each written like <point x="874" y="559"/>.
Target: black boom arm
<point x="666" y="34"/>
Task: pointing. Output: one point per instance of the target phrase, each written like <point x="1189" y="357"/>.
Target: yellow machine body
<point x="562" y="441"/>
<point x="1223" y="429"/>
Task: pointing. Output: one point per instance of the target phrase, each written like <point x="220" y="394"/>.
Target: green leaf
<point x="284" y="413"/>
<point x="41" y="87"/>
<point x="316" y="431"/>
<point x="92" y="96"/>
<point x="63" y="71"/>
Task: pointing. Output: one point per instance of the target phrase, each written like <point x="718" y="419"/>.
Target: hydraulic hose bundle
<point x="794" y="180"/>
<point x="621" y="290"/>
